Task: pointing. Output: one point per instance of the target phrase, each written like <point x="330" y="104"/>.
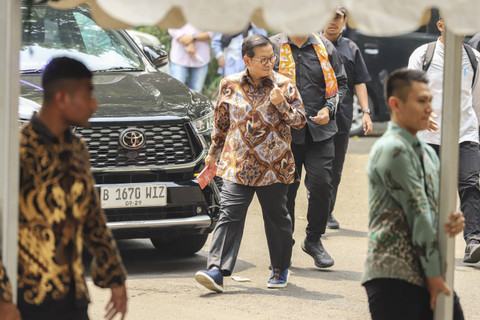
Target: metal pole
<point x="452" y="78"/>
<point x="10" y="26"/>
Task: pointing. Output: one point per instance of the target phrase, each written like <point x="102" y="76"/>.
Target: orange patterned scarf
<point x="287" y="66"/>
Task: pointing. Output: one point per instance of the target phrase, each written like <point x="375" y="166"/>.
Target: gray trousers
<point x="228" y="232"/>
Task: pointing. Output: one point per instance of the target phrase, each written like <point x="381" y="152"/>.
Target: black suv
<point x="382" y="55"/>
<point x="147" y="140"/>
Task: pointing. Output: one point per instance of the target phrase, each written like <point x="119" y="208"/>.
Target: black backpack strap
<point x="431" y="49"/>
<point x="473" y="60"/>
<point x="427" y="60"/>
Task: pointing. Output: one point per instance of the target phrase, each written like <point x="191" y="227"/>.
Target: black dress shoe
<point x="320" y="256"/>
<point x="332" y="223"/>
<point x="472" y="252"/>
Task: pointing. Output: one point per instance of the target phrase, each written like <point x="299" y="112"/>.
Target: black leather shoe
<point x="332" y="223"/>
<point x="472" y="252"/>
<point x="320" y="256"/>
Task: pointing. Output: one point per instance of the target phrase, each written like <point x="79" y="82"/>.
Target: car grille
<point x="166" y="144"/>
<point x="141" y="177"/>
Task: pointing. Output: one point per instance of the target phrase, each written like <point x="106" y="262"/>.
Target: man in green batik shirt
<point x="402" y="273"/>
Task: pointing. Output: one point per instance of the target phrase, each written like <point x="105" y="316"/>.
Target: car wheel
<point x="185" y="245"/>
<point x="356" y="128"/>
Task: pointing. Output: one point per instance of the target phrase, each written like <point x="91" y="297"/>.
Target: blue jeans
<point x="196" y="76"/>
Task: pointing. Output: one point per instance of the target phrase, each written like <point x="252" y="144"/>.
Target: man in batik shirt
<point x="253" y="116"/>
<point x="60" y="210"/>
<point x="403" y="273"/>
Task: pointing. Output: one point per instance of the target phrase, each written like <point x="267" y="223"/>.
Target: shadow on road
<point x="342" y="232"/>
<point x="327" y="274"/>
<point x="142" y="260"/>
<point x="291" y="291"/>
<point x="459" y="263"/>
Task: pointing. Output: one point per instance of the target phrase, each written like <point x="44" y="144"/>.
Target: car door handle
<point x="371" y="49"/>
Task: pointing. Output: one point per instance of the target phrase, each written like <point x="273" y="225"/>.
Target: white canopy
<point x="375" y="17"/>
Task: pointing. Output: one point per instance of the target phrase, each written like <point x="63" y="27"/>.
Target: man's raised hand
<point x="276" y="96"/>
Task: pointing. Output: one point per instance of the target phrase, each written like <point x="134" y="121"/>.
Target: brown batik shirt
<point x="59" y="213"/>
<point x="251" y="134"/>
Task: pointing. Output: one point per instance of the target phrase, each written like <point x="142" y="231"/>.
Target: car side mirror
<point x="158" y="56"/>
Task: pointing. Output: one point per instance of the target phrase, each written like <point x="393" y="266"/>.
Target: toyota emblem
<point x="132" y="139"/>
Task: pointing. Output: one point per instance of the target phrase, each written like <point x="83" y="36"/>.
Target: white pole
<point x="452" y="78"/>
<point x="10" y="27"/>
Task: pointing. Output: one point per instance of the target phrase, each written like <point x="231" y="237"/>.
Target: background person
<point x="315" y="66"/>
<point x="60" y="210"/>
<point x="190" y="55"/>
<point x="254" y="112"/>
<point x="227" y="49"/>
<point x="402" y="273"/>
<point x="469" y="153"/>
<point x="357" y="75"/>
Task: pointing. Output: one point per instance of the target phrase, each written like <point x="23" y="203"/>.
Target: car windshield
<point x="73" y="33"/>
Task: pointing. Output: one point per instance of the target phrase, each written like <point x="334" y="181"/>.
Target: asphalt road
<point x="164" y="288"/>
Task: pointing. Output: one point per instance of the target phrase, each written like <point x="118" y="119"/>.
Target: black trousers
<point x="394" y="299"/>
<point x="66" y="309"/>
<point x="340" y="141"/>
<point x="228" y="232"/>
<point x="58" y="311"/>
<point x="317" y="157"/>
<point x="468" y="187"/>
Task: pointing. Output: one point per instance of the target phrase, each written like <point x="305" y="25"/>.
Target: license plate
<point x="134" y="195"/>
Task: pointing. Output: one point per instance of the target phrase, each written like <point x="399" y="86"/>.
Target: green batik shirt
<point x="403" y="174"/>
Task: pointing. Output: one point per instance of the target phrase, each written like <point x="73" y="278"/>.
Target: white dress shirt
<point x="470" y="102"/>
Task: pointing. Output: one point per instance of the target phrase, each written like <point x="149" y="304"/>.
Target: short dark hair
<point x="343" y="10"/>
<point x="57" y="71"/>
<point x="400" y="80"/>
<point x="254" y="41"/>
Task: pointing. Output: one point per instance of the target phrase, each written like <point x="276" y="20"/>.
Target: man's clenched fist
<point x="276" y="96"/>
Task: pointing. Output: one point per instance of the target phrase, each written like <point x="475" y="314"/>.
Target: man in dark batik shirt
<point x="59" y="209"/>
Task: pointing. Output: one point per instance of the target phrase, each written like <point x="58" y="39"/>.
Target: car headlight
<point x="204" y="124"/>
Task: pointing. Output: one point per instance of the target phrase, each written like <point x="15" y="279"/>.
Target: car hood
<point x="133" y="94"/>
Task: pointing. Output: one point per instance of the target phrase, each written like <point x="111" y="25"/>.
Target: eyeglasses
<point x="265" y="61"/>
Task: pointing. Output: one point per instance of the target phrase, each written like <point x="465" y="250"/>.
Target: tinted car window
<point x="76" y="35"/>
